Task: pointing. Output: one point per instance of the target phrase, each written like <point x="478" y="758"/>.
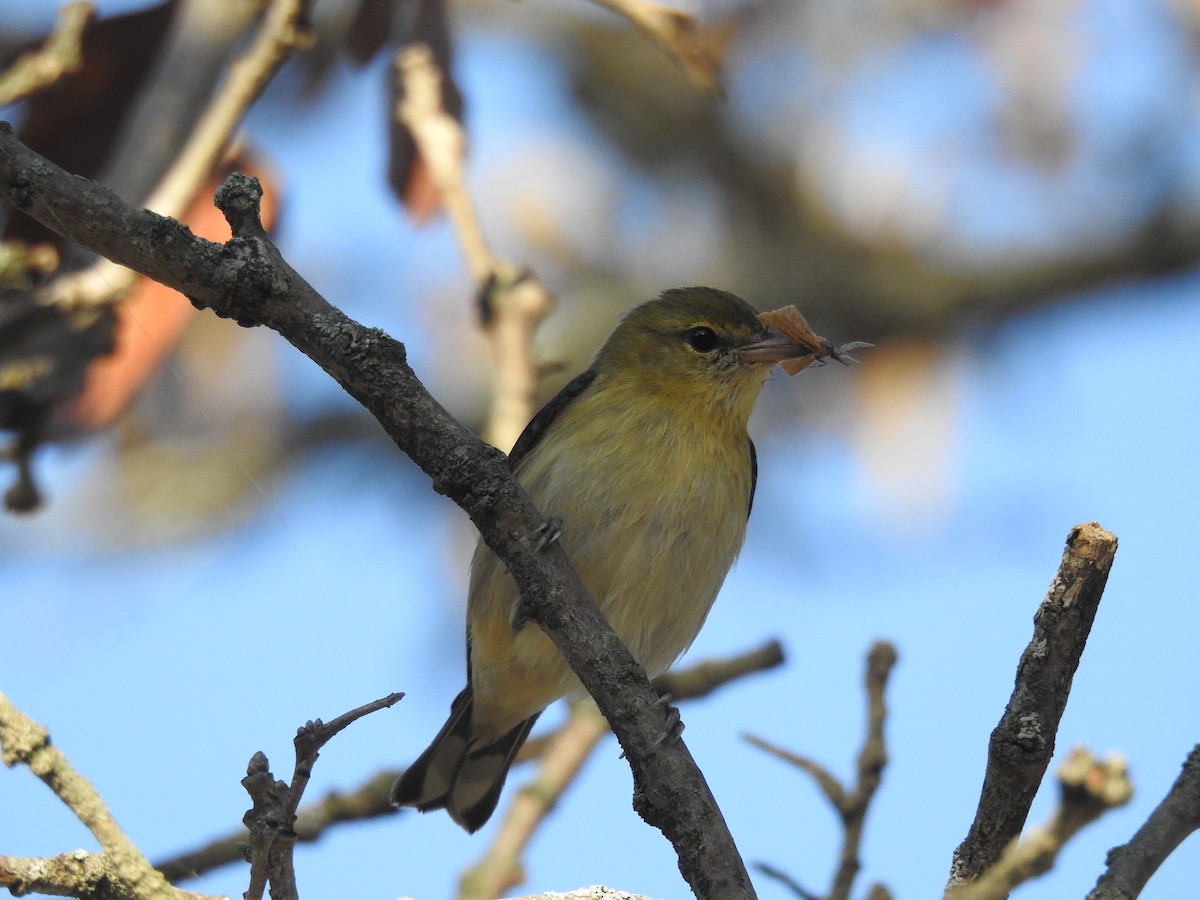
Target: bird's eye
<point x="700" y="338"/>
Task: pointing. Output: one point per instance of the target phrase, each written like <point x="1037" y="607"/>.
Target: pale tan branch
<point x="61" y="54"/>
<point x="282" y="32"/>
<point x="513" y="300"/>
<point x="1088" y="787"/>
<point x="23" y="741"/>
<point x="698" y="52"/>
<point x="500" y="868"/>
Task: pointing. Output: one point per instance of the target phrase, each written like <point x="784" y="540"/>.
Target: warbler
<point x="646" y="460"/>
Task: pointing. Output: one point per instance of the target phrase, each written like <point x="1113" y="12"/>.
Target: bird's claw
<point x="674" y="727"/>
<point x="547" y="533"/>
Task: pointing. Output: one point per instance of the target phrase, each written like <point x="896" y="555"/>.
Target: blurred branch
<point x="563" y="754"/>
<point x="513" y="300"/>
<point x="283" y="31"/>
<point x="699" y="52"/>
<point x="851" y="805"/>
<point x="370" y="800"/>
<point x="1088" y="788"/>
<point x="120" y="869"/>
<point x="60" y="54"/>
<point x="1174" y="819"/>
<point x="562" y="760"/>
<point x="1023" y="742"/>
<point x="270" y="820"/>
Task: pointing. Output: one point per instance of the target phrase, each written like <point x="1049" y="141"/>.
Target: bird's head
<point x="696" y="345"/>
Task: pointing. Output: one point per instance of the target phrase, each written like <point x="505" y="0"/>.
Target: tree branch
<point x="1023" y="742"/>
<point x="270" y="820"/>
<point x="370" y="800"/>
<point x="61" y="54"/>
<point x="247" y="280"/>
<point x="283" y="31"/>
<point x="851" y="805"/>
<point x="513" y="301"/>
<point x="1088" y="788"/>
<point x="1177" y="816"/>
<point x="120" y="868"/>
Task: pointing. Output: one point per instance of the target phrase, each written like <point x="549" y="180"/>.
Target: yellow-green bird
<point x="646" y="460"/>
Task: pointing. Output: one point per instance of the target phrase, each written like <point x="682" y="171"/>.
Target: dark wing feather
<point x="753" y="476"/>
<point x="541" y="422"/>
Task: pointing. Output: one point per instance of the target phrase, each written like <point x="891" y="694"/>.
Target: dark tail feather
<point x="451" y="774"/>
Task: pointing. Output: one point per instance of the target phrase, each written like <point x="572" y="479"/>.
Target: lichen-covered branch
<point x="120" y="867"/>
<point x="1088" y="787"/>
<point x="1022" y="744"/>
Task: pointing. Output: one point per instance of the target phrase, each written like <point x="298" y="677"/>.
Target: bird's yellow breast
<point x="653" y="500"/>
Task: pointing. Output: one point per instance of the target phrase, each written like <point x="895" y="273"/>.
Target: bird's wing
<point x="539" y="424"/>
<point x="753" y="476"/>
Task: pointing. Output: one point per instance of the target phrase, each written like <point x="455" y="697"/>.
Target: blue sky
<point x="165" y="666"/>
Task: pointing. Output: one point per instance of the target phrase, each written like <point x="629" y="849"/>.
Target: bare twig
<point x="121" y="865"/>
<point x="513" y="301"/>
<point x="61" y="54"/>
<point x="699" y="52"/>
<point x="851" y="805"/>
<point x="1088" y="788"/>
<point x="1023" y="742"/>
<point x="283" y="31"/>
<point x="271" y="818"/>
<point x="1177" y="816"/>
<point x="371" y="799"/>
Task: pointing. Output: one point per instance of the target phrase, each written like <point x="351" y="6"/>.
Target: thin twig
<point x="1088" y="788"/>
<point x="371" y="799"/>
<point x="699" y="52"/>
<point x="513" y="301"/>
<point x="23" y="741"/>
<point x="851" y="804"/>
<point x="1174" y="819"/>
<point x="271" y="818"/>
<point x="283" y="31"/>
<point x="61" y="54"/>
<point x="1023" y="742"/>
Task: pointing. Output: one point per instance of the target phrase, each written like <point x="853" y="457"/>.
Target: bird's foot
<point x="674" y="727"/>
<point x="548" y="532"/>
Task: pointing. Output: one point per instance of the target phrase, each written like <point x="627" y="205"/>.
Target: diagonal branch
<point x="120" y="868"/>
<point x="1177" y="816"/>
<point x="1088" y="788"/>
<point x="247" y="280"/>
<point x="1023" y="742"/>
<point x="60" y="54"/>
<point x="851" y="804"/>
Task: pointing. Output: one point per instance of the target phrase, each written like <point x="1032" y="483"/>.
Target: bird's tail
<point x="455" y="775"/>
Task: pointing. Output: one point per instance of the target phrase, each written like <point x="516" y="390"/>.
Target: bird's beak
<point x="775" y="347"/>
